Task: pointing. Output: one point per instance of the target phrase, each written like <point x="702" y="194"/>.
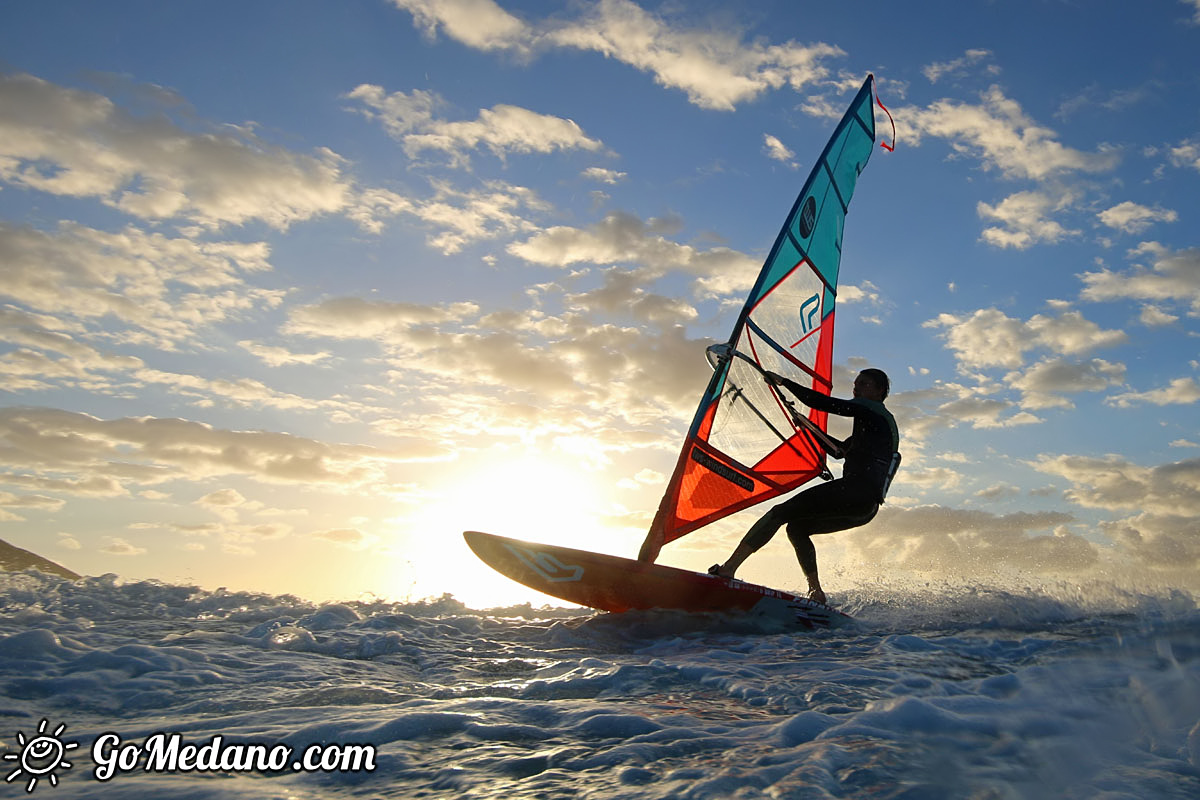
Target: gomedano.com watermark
<point x="167" y="752"/>
<point x="44" y="754"/>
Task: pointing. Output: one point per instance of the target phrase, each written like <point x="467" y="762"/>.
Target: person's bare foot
<point x="817" y="595"/>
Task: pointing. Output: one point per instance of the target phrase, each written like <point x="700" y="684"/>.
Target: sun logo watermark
<point x="40" y="756"/>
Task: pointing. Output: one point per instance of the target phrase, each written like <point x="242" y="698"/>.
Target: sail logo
<point x="717" y="468"/>
<point x="808" y="313"/>
<point x="546" y="565"/>
<point x="808" y="217"/>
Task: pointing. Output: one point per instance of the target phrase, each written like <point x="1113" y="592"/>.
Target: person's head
<point x="872" y="384"/>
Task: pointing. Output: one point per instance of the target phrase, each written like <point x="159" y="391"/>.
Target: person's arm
<point x="814" y="399"/>
<point x="843" y="445"/>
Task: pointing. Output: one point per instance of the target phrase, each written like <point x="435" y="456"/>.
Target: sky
<point x="292" y="293"/>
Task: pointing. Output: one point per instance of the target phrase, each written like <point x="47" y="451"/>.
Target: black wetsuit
<point x="851" y="500"/>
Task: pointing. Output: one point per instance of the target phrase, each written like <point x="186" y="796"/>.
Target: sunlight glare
<point x="530" y="498"/>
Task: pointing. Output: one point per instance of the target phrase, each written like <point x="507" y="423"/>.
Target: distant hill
<point x="14" y="559"/>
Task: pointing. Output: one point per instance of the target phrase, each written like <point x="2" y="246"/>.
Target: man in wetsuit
<point x="852" y="500"/>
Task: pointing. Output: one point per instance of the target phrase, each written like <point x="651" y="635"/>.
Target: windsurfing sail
<point x="746" y="443"/>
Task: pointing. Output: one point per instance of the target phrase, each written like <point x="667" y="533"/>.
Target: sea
<point x="145" y="689"/>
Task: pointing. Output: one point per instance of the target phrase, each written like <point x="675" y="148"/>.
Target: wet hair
<point x="880" y="378"/>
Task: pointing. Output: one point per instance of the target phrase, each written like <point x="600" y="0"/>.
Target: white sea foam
<point x="1061" y="691"/>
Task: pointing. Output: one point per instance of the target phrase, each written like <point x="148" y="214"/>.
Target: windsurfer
<point x="871" y="458"/>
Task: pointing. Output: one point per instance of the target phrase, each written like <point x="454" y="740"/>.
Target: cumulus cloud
<point x="716" y="68"/>
<point x="456" y="217"/>
<point x="1155" y="317"/>
<point x="351" y="538"/>
<point x="481" y="24"/>
<point x="990" y="338"/>
<point x="355" y="318"/>
<point x="1186" y="153"/>
<point x="223" y="498"/>
<point x="1000" y="134"/>
<point x="1044" y="383"/>
<point x="985" y="412"/>
<point x="119" y="547"/>
<point x="1164" y="501"/>
<point x="502" y="129"/>
<point x="1129" y="217"/>
<point x="958" y="66"/>
<point x="778" y="151"/>
<point x="1173" y="276"/>
<point x="623" y="292"/>
<point x="622" y="238"/>
<point x="80" y="144"/>
<point x="1024" y="221"/>
<point x="968" y="542"/>
<point x="602" y="175"/>
<point x="149" y="450"/>
<point x="1181" y="391"/>
<point x="38" y="502"/>
<point x="1116" y="484"/>
<point x="166" y="287"/>
<point x="280" y="356"/>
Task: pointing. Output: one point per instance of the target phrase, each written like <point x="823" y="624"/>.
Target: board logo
<point x="546" y="565"/>
<point x="808" y="217"/>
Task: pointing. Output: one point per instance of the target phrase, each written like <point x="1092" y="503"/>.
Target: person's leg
<point x="759" y="534"/>
<point x="830" y="507"/>
<point x="806" y="554"/>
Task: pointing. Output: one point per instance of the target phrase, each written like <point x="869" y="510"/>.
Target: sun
<point x="40" y="756"/>
<point x="528" y="497"/>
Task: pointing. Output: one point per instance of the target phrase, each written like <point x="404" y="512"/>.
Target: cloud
<point x="502" y="129"/>
<point x="162" y="287"/>
<point x="481" y="24"/>
<point x="777" y="151"/>
<point x="602" y="175"/>
<point x="1196" y="14"/>
<point x="967" y="542"/>
<point x="152" y="450"/>
<point x="224" y="498"/>
<point x="1025" y="221"/>
<point x="1173" y="276"/>
<point x="1116" y="484"/>
<point x="90" y="486"/>
<point x="1186" y="153"/>
<point x="1108" y="99"/>
<point x="938" y="70"/>
<point x="351" y="538"/>
<point x="990" y="338"/>
<point x="716" y="68"/>
<point x="529" y="373"/>
<point x="280" y="356"/>
<point x="80" y="144"/>
<point x="1181" y="391"/>
<point x="355" y="318"/>
<point x="1129" y="217"/>
<point x="1002" y="136"/>
<point x="37" y="502"/>
<point x="622" y="238"/>
<point x="984" y="412"/>
<point x="1043" y="383"/>
<point x="1155" y="317"/>
<point x="458" y="217"/>
<point x="622" y="293"/>
<point x="119" y="547"/>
